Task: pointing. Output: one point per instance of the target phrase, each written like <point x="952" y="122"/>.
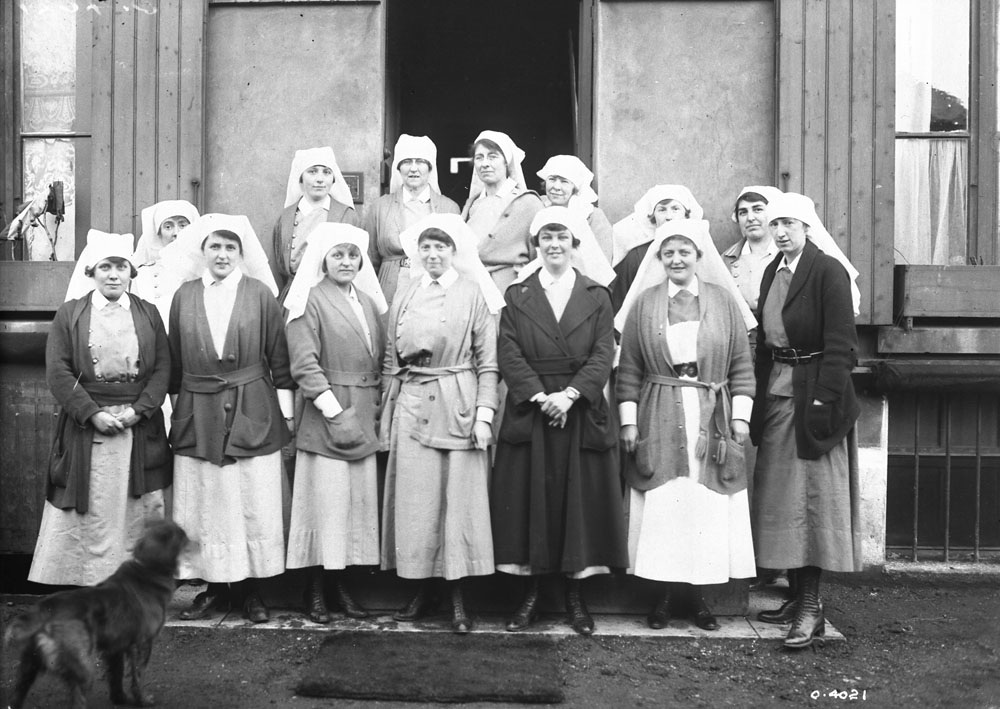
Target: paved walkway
<point x="607" y="625"/>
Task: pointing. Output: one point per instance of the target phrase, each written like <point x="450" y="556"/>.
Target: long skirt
<point x="436" y="520"/>
<point x="684" y="532"/>
<point x="805" y="512"/>
<point x="334" y="513"/>
<point x="84" y="549"/>
<point x="233" y="513"/>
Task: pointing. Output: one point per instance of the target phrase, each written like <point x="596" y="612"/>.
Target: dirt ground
<point x="927" y="642"/>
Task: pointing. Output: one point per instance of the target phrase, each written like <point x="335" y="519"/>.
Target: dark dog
<point x="118" y="618"/>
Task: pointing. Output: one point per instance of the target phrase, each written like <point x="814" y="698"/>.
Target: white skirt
<point x="334" y="513"/>
<point x="684" y="532"/>
<point x="84" y="549"/>
<point x="233" y="514"/>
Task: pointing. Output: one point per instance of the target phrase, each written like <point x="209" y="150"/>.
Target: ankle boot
<point x="786" y="612"/>
<point x="419" y="606"/>
<point x="254" y="609"/>
<point x="460" y="621"/>
<point x="313" y="599"/>
<point x="703" y="616"/>
<point x="527" y="612"/>
<point x="576" y="609"/>
<point x="205" y="602"/>
<point x="809" y="623"/>
<point x="659" y="617"/>
<point x="347" y="604"/>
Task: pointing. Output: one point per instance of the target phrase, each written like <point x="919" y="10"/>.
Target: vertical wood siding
<point x="835" y="137"/>
<point x="148" y="73"/>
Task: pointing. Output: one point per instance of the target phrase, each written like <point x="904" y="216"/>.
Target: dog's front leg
<point x="116" y="676"/>
<point x="140" y="653"/>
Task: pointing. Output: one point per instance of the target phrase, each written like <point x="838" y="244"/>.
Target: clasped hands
<point x="109" y="424"/>
<point x="555" y="405"/>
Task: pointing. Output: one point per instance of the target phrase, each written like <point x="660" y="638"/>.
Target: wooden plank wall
<point x="835" y="136"/>
<point x="148" y="72"/>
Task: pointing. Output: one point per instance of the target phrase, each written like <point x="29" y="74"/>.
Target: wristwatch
<point x="572" y="393"/>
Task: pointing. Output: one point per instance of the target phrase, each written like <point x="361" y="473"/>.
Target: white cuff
<point x="742" y="406"/>
<point x="327" y="404"/>
<point x="484" y="414"/>
<point x="286" y="402"/>
<point x="628" y="412"/>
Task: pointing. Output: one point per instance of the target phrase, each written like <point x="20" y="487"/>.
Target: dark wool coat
<point x="723" y="354"/>
<point x="69" y="371"/>
<point x="281" y="238"/>
<point x="625" y="273"/>
<point x="241" y="421"/>
<point x="818" y="316"/>
<point x="328" y="352"/>
<point x="555" y="494"/>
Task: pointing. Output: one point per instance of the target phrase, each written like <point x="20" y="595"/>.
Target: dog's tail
<point x="55" y="641"/>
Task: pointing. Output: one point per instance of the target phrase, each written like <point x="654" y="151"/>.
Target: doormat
<point x="420" y="667"/>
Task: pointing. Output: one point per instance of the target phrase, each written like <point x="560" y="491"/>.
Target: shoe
<point x="313" y="600"/>
<point x="254" y="609"/>
<point x="202" y="606"/>
<point x="419" y="606"/>
<point x="347" y="604"/>
<point x="659" y="617"/>
<point x="784" y="614"/>
<point x="460" y="621"/>
<point x="576" y="609"/>
<point x="527" y="612"/>
<point x="809" y="624"/>
<point x="703" y="617"/>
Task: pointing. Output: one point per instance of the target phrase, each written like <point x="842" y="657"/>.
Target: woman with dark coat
<point x="555" y="497"/>
<point x="107" y="363"/>
<point x="336" y="341"/>
<point x="806" y="502"/>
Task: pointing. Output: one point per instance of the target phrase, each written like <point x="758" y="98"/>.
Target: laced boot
<point x="313" y="599"/>
<point x="659" y="617"/>
<point x="460" y="621"/>
<point x="527" y="612"/>
<point x="254" y="609"/>
<point x="419" y="606"/>
<point x="809" y="623"/>
<point x="786" y="612"/>
<point x="576" y="609"/>
<point x="703" y="616"/>
<point x="351" y="608"/>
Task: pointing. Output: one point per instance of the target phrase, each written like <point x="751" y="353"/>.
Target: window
<point x="52" y="117"/>
<point x="944" y="63"/>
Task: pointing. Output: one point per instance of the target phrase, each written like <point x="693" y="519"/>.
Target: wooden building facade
<point x="206" y="100"/>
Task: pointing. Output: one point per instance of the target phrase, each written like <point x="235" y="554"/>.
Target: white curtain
<point x="931" y="197"/>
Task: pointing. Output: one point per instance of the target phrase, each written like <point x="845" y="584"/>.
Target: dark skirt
<point x="557" y="507"/>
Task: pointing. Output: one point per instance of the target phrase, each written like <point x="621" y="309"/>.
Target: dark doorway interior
<point x="457" y="67"/>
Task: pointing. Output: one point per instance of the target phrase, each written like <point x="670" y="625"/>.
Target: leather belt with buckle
<point x="792" y="356"/>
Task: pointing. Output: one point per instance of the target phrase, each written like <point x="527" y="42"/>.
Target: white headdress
<point x="414" y="147"/>
<point x="798" y="206"/>
<point x="152" y="217"/>
<point x="183" y="259"/>
<point x="572" y="168"/>
<point x="768" y="193"/>
<point x="511" y="153"/>
<point x="466" y="260"/>
<point x="100" y="245"/>
<point x="711" y="267"/>
<point x="310" y="273"/>
<point x="588" y="257"/>
<point x="303" y="160"/>
<point x="637" y="229"/>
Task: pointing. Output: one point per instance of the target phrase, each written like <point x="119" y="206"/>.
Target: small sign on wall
<point x="356" y="182"/>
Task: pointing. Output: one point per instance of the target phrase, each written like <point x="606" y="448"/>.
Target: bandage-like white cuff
<point x="484" y="414"/>
<point x="628" y="412"/>
<point x="327" y="404"/>
<point x="286" y="402"/>
<point x="742" y="406"/>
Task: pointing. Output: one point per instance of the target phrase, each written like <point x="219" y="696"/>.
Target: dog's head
<point x="160" y="546"/>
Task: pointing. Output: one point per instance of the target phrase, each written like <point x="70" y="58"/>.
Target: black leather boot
<point x="254" y="609"/>
<point x="576" y="609"/>
<point x="703" y="616"/>
<point x="461" y="623"/>
<point x="659" y="617"/>
<point x="786" y="612"/>
<point x="351" y="608"/>
<point x="419" y="606"/>
<point x="313" y="599"/>
<point x="809" y="623"/>
<point x="527" y="612"/>
<point x="205" y="602"/>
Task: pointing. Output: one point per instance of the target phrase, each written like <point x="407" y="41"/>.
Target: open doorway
<point x="455" y="68"/>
